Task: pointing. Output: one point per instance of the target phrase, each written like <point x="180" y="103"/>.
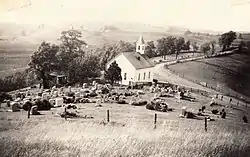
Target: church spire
<point x="140" y="45"/>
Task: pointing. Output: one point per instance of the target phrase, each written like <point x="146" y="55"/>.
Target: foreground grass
<point x="86" y="138"/>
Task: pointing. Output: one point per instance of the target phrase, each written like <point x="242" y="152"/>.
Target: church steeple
<point x="140" y="45"/>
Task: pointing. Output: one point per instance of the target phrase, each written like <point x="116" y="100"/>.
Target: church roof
<point x="140" y="40"/>
<point x="138" y="60"/>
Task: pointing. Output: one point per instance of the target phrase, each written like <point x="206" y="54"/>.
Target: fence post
<point x="65" y="113"/>
<point x="155" y="121"/>
<point x="29" y="111"/>
<point x="206" y="124"/>
<point x="108" y="116"/>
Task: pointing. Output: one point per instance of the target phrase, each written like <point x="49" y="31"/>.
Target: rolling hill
<point x="18" y="42"/>
<point x="230" y="74"/>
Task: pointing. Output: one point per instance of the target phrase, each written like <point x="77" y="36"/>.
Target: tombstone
<point x="52" y="102"/>
<point x="98" y="102"/>
<point x="61" y="91"/>
<point x="69" y="89"/>
<point x="28" y="93"/>
<point x="34" y="110"/>
<point x="55" y="94"/>
<point x="183" y="111"/>
<point x="77" y="94"/>
<point x="93" y="83"/>
<point x="84" y="85"/>
<point x="15" y="107"/>
<point x="155" y="96"/>
<point x="58" y="102"/>
<point x="45" y="96"/>
<point x="178" y="88"/>
<point x="8" y="103"/>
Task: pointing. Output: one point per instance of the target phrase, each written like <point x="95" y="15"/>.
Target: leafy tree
<point x="187" y="46"/>
<point x="107" y="52"/>
<point x="70" y="48"/>
<point x="179" y="45"/>
<point x="240" y="36"/>
<point x="44" y="61"/>
<point x="150" y="49"/>
<point x="113" y="73"/>
<point x="84" y="67"/>
<point x="195" y="47"/>
<point x="166" y="46"/>
<point x="226" y="39"/>
<point x="212" y="43"/>
<point x="205" y="48"/>
<point x="123" y="46"/>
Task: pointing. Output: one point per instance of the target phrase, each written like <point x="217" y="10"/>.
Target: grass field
<point x="229" y="73"/>
<point x="130" y="132"/>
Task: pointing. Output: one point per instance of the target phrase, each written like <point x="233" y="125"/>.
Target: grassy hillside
<point x="230" y="73"/>
<point x="130" y="132"/>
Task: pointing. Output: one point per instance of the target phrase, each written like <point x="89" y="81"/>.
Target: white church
<point x="135" y="66"/>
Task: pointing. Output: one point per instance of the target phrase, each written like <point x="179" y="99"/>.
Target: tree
<point x="84" y="67"/>
<point x="149" y="50"/>
<point x="113" y="73"/>
<point x="179" y="45"/>
<point x="166" y="46"/>
<point x="44" y="61"/>
<point x="212" y="43"/>
<point x="205" y="48"/>
<point x="123" y="46"/>
<point x="108" y="52"/>
<point x="226" y="39"/>
<point x="70" y="48"/>
<point x="195" y="47"/>
<point x="187" y="46"/>
<point x="240" y="36"/>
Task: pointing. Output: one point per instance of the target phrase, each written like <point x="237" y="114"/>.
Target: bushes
<point x="18" y="80"/>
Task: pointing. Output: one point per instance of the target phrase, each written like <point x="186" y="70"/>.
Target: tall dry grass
<point x="81" y="138"/>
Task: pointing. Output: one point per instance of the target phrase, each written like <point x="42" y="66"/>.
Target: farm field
<point x="129" y="133"/>
<point x="229" y="74"/>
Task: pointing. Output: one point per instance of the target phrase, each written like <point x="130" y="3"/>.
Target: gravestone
<point x="58" y="102"/>
<point x="15" y="107"/>
<point x="34" y="110"/>
<point x="69" y="89"/>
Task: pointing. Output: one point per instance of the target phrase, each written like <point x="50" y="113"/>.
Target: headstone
<point x="84" y="85"/>
<point x="98" y="102"/>
<point x="58" y="102"/>
<point x="52" y="101"/>
<point x="45" y="96"/>
<point x="61" y="91"/>
<point x="15" y="107"/>
<point x="93" y="83"/>
<point x="34" y="110"/>
<point x="183" y="110"/>
<point x="77" y="94"/>
<point x="69" y="89"/>
<point x="151" y="89"/>
<point x="55" y="94"/>
<point x="8" y="103"/>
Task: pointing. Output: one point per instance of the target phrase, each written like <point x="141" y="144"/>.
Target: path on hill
<point x="164" y="75"/>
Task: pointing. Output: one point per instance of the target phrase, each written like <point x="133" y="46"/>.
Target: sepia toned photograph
<point x="124" y="78"/>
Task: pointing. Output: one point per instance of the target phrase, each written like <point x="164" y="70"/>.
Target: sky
<point x="219" y="15"/>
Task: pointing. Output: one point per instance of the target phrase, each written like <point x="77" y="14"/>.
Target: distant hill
<point x="24" y="39"/>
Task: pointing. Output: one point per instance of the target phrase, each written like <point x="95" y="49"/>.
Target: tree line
<point x="79" y="63"/>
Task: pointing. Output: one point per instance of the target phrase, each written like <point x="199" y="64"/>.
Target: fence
<point x="210" y="86"/>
